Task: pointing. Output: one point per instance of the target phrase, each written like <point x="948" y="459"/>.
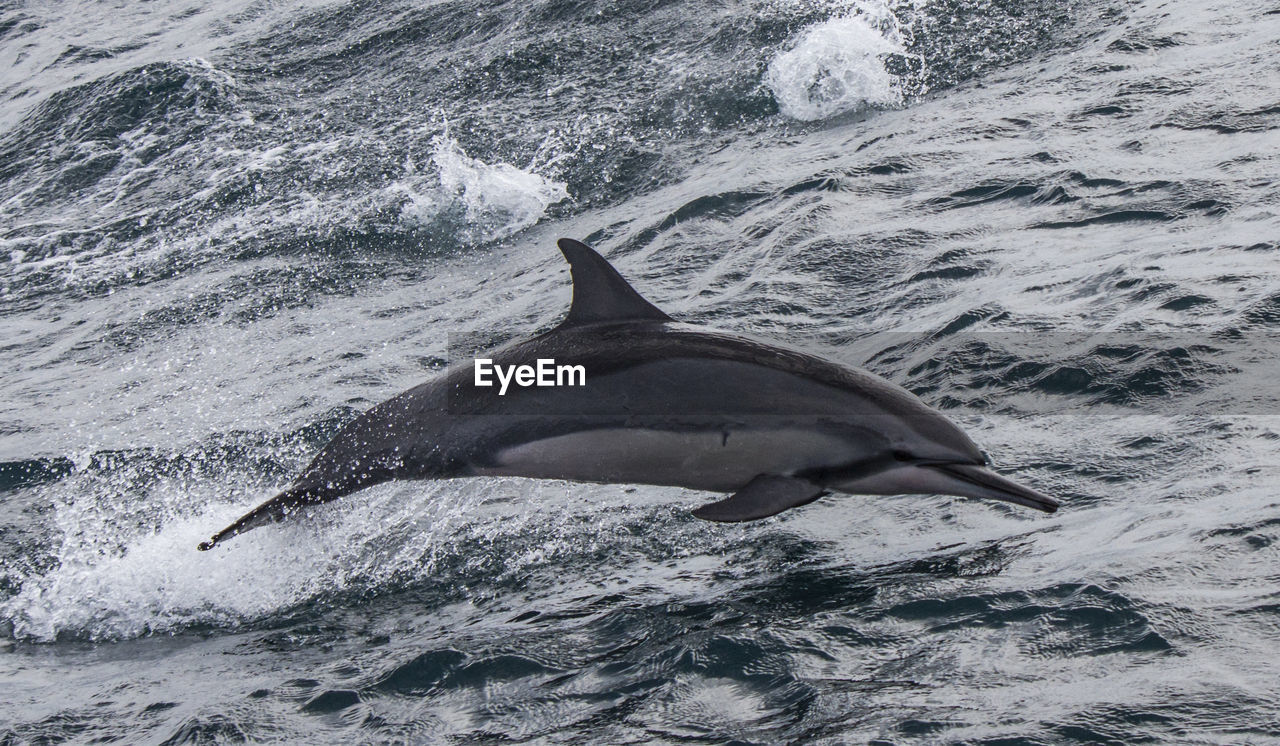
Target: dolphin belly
<point x="714" y="459"/>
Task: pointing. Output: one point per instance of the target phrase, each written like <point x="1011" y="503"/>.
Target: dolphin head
<point x="931" y="455"/>
<point x="907" y="474"/>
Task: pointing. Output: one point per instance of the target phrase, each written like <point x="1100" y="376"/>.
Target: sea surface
<point x="227" y="228"/>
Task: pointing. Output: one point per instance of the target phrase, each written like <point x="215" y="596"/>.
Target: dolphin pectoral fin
<point x="971" y="480"/>
<point x="765" y="495"/>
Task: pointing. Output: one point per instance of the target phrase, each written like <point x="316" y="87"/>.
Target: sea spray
<point x="839" y="65"/>
<point x="492" y="201"/>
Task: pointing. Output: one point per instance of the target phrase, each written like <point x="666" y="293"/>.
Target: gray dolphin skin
<point x="663" y="403"/>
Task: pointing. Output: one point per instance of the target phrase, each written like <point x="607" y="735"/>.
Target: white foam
<point x="838" y="66"/>
<point x="496" y="200"/>
<point x="114" y="578"/>
<point x="106" y="586"/>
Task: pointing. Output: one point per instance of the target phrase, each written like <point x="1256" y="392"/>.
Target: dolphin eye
<point x="902" y="456"/>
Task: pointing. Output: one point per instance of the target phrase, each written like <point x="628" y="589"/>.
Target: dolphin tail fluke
<point x="977" y="481"/>
<point x="274" y="510"/>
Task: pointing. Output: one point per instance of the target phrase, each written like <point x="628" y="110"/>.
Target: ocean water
<point x="227" y="228"/>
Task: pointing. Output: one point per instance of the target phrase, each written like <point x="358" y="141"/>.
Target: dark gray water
<point x="228" y="228"/>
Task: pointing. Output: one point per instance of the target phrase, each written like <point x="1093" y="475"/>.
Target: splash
<point x="491" y="201"/>
<point x="839" y="66"/>
<point x="124" y="565"/>
<point x="123" y="570"/>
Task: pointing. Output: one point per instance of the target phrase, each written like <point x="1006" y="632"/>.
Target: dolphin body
<point x="664" y="403"/>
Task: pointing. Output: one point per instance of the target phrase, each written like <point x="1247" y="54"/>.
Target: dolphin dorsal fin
<point x="599" y="292"/>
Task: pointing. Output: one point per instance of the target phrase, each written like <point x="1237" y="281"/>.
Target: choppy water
<point x="227" y="228"/>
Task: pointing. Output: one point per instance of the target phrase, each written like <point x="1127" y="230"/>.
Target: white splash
<point x="838" y="66"/>
<point x="115" y="579"/>
<point x="496" y="200"/>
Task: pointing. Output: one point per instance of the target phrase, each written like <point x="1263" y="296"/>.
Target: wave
<point x="277" y="145"/>
<point x="236" y="200"/>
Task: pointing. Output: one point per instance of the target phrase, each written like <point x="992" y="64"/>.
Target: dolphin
<point x="662" y="403"/>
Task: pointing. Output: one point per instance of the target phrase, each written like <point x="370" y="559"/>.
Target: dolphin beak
<point x="971" y="480"/>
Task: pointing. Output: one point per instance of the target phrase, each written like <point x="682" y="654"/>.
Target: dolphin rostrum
<point x="662" y="403"/>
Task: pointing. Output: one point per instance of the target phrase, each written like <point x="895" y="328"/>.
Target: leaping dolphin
<point x="664" y="403"/>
